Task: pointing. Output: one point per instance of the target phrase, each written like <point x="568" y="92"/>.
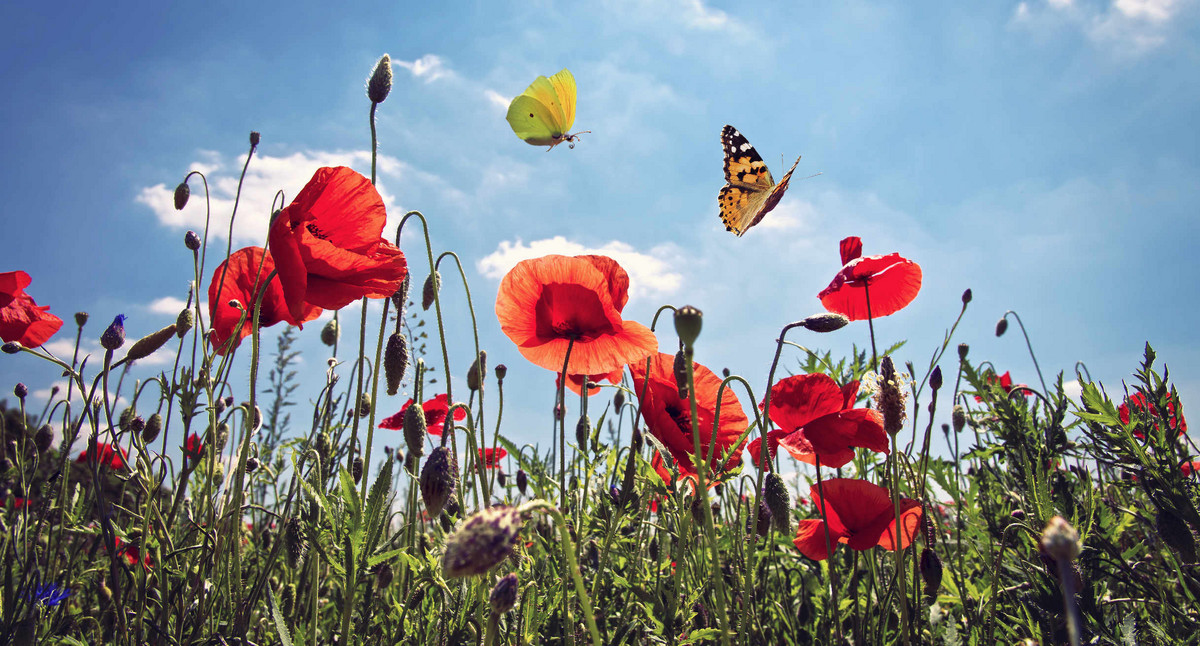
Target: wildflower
<point x="114" y="335"/>
<point x="21" y="319"/>
<point x="1190" y="468"/>
<point x="193" y="447"/>
<point x="132" y="553"/>
<point x="817" y="421"/>
<point x="49" y="594"/>
<point x="481" y="542"/>
<point x="669" y="417"/>
<point x="491" y="457"/>
<point x="1005" y="382"/>
<point x="547" y="304"/>
<point x="327" y="244"/>
<point x="859" y="514"/>
<point x="435" y="415"/>
<point x="889" y="282"/>
<point x="240" y="279"/>
<point x="1138" y="401"/>
<point x="103" y="454"/>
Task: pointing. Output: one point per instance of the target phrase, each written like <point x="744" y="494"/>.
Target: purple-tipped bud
<point x="688" y="321"/>
<point x="20" y="390"/>
<point x="825" y="322"/>
<point x="931" y="572"/>
<point x="501" y="372"/>
<point x="963" y="349"/>
<point x="439" y="478"/>
<point x="935" y="379"/>
<point x="191" y="241"/>
<point x="1001" y="326"/>
<point x="182" y="192"/>
<point x="380" y="83"/>
<point x="504" y="594"/>
<point x="12" y="347"/>
<point x="114" y="336"/>
<point x="614" y="494"/>
<point x="254" y="139"/>
<point x="146" y="345"/>
<point x="966" y="296"/>
<point x="329" y="334"/>
<point x="522" y="481"/>
<point x="1017" y="514"/>
<point x="482" y="542"/>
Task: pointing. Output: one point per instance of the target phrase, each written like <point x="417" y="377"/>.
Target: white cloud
<point x="497" y="99"/>
<point x="167" y="305"/>
<point x="1073" y="389"/>
<point x="429" y="67"/>
<point x="797" y="215"/>
<point x="650" y="273"/>
<point x="265" y="176"/>
<point x="1152" y="10"/>
<point x="702" y="17"/>
<point x="1125" y="28"/>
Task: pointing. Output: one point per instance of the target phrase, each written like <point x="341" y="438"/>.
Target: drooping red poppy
<point x="240" y="278"/>
<point x="669" y="417"/>
<point x="328" y="247"/>
<point x="1138" y="400"/>
<point x="103" y="454"/>
<point x="491" y="457"/>
<point x="890" y="282"/>
<point x="575" y="382"/>
<point x="546" y="303"/>
<point x="817" y="419"/>
<point x="21" y="319"/>
<point x="1006" y="384"/>
<point x="859" y="514"/>
<point x="435" y="415"/>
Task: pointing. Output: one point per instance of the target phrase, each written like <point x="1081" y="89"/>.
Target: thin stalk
<point x="572" y="565"/>
<point x="1029" y="346"/>
<point x="871" y="326"/>
<point x="833" y="576"/>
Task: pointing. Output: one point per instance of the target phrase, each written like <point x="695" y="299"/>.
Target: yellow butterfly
<point x="749" y="192"/>
<point x="545" y="111"/>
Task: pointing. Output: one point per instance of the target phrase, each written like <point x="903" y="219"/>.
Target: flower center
<point x="572" y="312"/>
<point x="316" y="231"/>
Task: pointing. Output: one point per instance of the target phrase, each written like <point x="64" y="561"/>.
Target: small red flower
<point x="669" y="417"/>
<point x="817" y="419"/>
<point x="21" y="319"/>
<point x="435" y="415"/>
<point x="21" y="503"/>
<point x="193" y="447"/>
<point x="575" y="382"/>
<point x="544" y="304"/>
<point x="241" y="278"/>
<point x="1190" y="468"/>
<point x="132" y="553"/>
<point x="328" y="247"/>
<point x="1175" y="418"/>
<point x="1006" y="384"/>
<point x="491" y="457"/>
<point x="103" y="454"/>
<point x="860" y="515"/>
<point x="890" y="282"/>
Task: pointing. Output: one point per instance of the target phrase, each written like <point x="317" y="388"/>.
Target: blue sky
<point x="1043" y="154"/>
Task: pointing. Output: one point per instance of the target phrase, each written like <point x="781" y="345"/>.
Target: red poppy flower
<point x="860" y="514"/>
<point x="817" y="419"/>
<point x="193" y="448"/>
<point x="21" y="503"/>
<point x="435" y="415"/>
<point x="575" y="382"/>
<point x="891" y="282"/>
<point x="669" y="417"/>
<point x="104" y="454"/>
<point x="491" y="457"/>
<point x="1188" y="468"/>
<point x="131" y="552"/>
<point x="21" y="319"/>
<point x="240" y="278"/>
<point x="327" y="244"/>
<point x="546" y="303"/>
<point x="1006" y="384"/>
<point x="1138" y="400"/>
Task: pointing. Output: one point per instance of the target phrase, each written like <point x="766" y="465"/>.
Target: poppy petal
<point x="890" y="282"/>
<point x="810" y="539"/>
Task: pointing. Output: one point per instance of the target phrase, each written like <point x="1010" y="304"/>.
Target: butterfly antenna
<point x="811" y="176"/>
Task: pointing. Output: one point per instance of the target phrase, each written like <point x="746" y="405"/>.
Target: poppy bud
<point x="222" y="435"/>
<point x="635" y="440"/>
<point x="1174" y="532"/>
<point x="619" y="400"/>
<point x="1001" y="326"/>
<point x="890" y="397"/>
<point x="959" y="417"/>
<point x="356" y="469"/>
<point x="681" y="374"/>
<point x="504" y="594"/>
<point x="251" y="464"/>
<point x="182" y="192"/>
<point x="701" y="620"/>
<point x="43" y="438"/>
<point x="688" y="321"/>
<point x="364" y="405"/>
<point x="20" y="390"/>
<point x="583" y="428"/>
<point x="653" y="549"/>
<point x="125" y="418"/>
<point x="432" y="284"/>
<point x="12" y="347"/>
<point x="763" y="523"/>
<point x="1060" y="541"/>
<point x="415" y="428"/>
<point x="184" y="322"/>
<point x="294" y="541"/>
<point x="81" y="319"/>
<point x="501" y="372"/>
<point x="966" y="296"/>
<point x="1017" y="514"/>
<point x="963" y="349"/>
<point x="439" y="478"/>
<point x="931" y="572"/>
<point x="114" y="335"/>
<point x="935" y="378"/>
<point x="522" y="481"/>
<point x="329" y="333"/>
<point x="400" y="296"/>
<point x="191" y="241"/>
<point x="558" y="412"/>
<point x="395" y="362"/>
<point x="254" y="139"/>
<point x="137" y="424"/>
<point x="146" y="345"/>
<point x="481" y="542"/>
<point x="501" y="478"/>
<point x="475" y="374"/>
<point x="779" y="501"/>
<point x="255" y="414"/>
<point x="380" y="83"/>
<point x="826" y="322"/>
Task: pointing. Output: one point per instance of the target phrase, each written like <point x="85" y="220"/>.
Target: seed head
<point x="501" y="372"/>
<point x="688" y="321"/>
<point x="432" y="284"/>
<point x="395" y="362"/>
<point x="504" y="594"/>
<point x="182" y="192"/>
<point x="380" y="83"/>
<point x="963" y="349"/>
<point x="81" y="319"/>
<point x="825" y="322"/>
<point x="1060" y="541"/>
<point x="475" y="374"/>
<point x="254" y="139"/>
<point x="439" y="479"/>
<point x="114" y="336"/>
<point x="329" y="333"/>
<point x="481" y="542"/>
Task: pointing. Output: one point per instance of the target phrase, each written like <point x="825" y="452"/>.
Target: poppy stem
<point x="871" y="326"/>
<point x="1029" y="346"/>
<point x="833" y="577"/>
<point x="485" y="482"/>
<point x="896" y="544"/>
<point x="560" y="416"/>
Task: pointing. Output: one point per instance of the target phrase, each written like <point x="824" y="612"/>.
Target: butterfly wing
<point x="743" y="165"/>
<point x="564" y="88"/>
<point x="749" y="185"/>
<point x="772" y="197"/>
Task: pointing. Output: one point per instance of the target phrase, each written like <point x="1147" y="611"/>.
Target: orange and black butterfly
<point x="749" y="192"/>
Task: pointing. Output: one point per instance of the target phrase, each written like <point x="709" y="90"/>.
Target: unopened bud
<point x="779" y="501"/>
<point x="251" y="464"/>
<point x="680" y="369"/>
<point x="1060" y="541"/>
<point x="966" y="297"/>
<point x="481" y="542"/>
<point x="959" y="418"/>
<point x="415" y="427"/>
<point x="383" y="576"/>
<point x="12" y="347"/>
<point x="826" y="322"/>
<point x="931" y="571"/>
<point x="293" y="540"/>
<point x="935" y="378"/>
<point x="146" y="345"/>
<point x="619" y="400"/>
<point x="439" y="479"/>
<point x="1001" y="326"/>
<point x="254" y="139"/>
<point x="1174" y="532"/>
<point x="20" y="390"/>
<point x="688" y="321"/>
<point x="475" y="374"/>
<point x="380" y="83"/>
<point x="504" y="594"/>
<point x="329" y="333"/>
<point x="137" y="424"/>
<point x="429" y="293"/>
<point x="395" y="362"/>
<point x="356" y="468"/>
<point x="583" y="429"/>
<point x="184" y="322"/>
<point x="400" y="296"/>
<point x="191" y="241"/>
<point x="364" y="405"/>
<point x="522" y="481"/>
<point x="43" y="438"/>
<point x="125" y="418"/>
<point x="182" y="192"/>
<point x="114" y="335"/>
<point x="153" y="427"/>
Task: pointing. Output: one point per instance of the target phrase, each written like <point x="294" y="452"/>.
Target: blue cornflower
<point x="49" y="594"/>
